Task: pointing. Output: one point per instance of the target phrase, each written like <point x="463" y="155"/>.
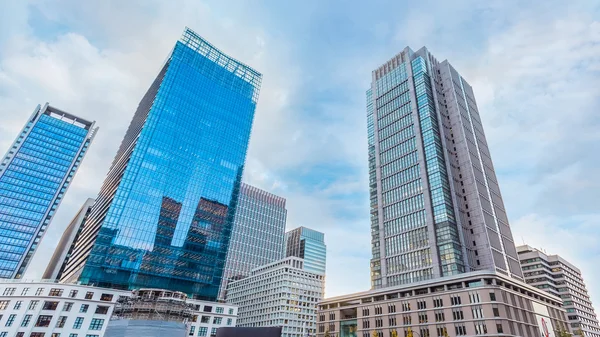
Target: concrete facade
<point x="282" y="293"/>
<point x="47" y="309"/>
<point x="476" y="303"/>
<point x="559" y="277"/>
<point x="257" y="235"/>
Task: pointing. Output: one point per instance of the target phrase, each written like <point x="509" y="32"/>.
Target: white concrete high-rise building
<point x="282" y="293"/>
<point x="559" y="277"/>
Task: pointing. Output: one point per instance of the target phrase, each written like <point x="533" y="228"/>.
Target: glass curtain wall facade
<point x="309" y="245"/>
<point x="258" y="234"/>
<point x="429" y="217"/>
<point x="164" y="215"/>
<point x="35" y="174"/>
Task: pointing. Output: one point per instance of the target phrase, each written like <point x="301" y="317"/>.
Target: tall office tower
<point x="558" y="277"/>
<point x="309" y="245"/>
<point x="65" y="246"/>
<point x="35" y="174"/>
<point x="283" y="293"/>
<point x="257" y="234"/>
<point x="436" y="208"/>
<point x="164" y="214"/>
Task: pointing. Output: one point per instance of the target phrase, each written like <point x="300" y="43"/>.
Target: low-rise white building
<point x="209" y="316"/>
<point x="48" y="309"/>
<point x="282" y="294"/>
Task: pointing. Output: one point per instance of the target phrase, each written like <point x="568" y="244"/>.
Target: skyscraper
<point x="257" y="235"/>
<point x="436" y="208"/>
<point x="309" y="245"/>
<point x="164" y="214"/>
<point x="35" y="174"/>
<point x="64" y="248"/>
<point x="559" y="277"/>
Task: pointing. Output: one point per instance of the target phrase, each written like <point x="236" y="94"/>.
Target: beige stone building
<point x="470" y="304"/>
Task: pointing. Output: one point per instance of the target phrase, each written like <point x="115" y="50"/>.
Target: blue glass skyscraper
<point x="163" y="217"/>
<point x="34" y="176"/>
<point x="308" y="244"/>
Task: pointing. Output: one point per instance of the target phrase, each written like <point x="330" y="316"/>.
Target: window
<point x="207" y="308"/>
<point x="202" y="331"/>
<point x="60" y="323"/>
<point x="84" y="308"/>
<point x="439" y="316"/>
<point x="91" y="336"/>
<point x="50" y="305"/>
<point x="474" y="298"/>
<point x="96" y="324"/>
<point x="37" y="334"/>
<point x="391" y="308"/>
<point x="24" y="291"/>
<point x="424" y="332"/>
<point x="4" y="305"/>
<point x="492" y="297"/>
<point x="229" y="321"/>
<point x="392" y="321"/>
<point x="366" y="324"/>
<point x="407" y="320"/>
<point x="102" y="309"/>
<point x="68" y="306"/>
<point x="18" y="305"/>
<point x="438" y="302"/>
<point x="217" y="320"/>
<point x="477" y="311"/>
<point x="10" y="320"/>
<point x="55" y="292"/>
<point x="20" y="334"/>
<point x="378" y="311"/>
<point x="78" y="322"/>
<point x="39" y="291"/>
<point x="496" y="312"/>
<point x="480" y="328"/>
<point x="26" y="320"/>
<point x="332" y="317"/>
<point x="73" y="293"/>
<point x="106" y="297"/>
<point x="231" y="311"/>
<point x="421" y="305"/>
<point x="205" y="319"/>
<point x="405" y="306"/>
<point x="422" y="318"/>
<point x="43" y="321"/>
<point x="213" y="332"/>
<point x="220" y="310"/>
<point x="457" y="314"/>
<point x="460" y="330"/>
<point x="378" y="322"/>
<point x="499" y="328"/>
<point x="56" y="334"/>
<point x="33" y="305"/>
<point x="365" y="312"/>
<point x="73" y="335"/>
<point x="455" y="300"/>
<point x="9" y="291"/>
<point x="89" y="295"/>
<point x="192" y="330"/>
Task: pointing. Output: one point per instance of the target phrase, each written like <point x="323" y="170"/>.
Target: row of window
<point x="57" y="292"/>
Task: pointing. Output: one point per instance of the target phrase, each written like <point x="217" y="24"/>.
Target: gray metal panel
<point x="145" y="328"/>
<point x="249" y="332"/>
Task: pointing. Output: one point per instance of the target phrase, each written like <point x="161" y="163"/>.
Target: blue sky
<point x="534" y="67"/>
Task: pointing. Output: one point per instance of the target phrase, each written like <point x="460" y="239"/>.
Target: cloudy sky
<point x="535" y="70"/>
